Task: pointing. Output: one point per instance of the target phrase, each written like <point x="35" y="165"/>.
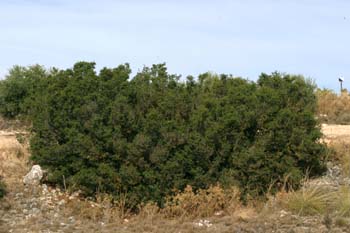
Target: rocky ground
<point x="40" y="208"/>
<point x="34" y="210"/>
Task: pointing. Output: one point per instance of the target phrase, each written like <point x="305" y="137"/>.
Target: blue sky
<point x="242" y="37"/>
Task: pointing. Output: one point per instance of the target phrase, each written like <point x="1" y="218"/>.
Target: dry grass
<point x="102" y="210"/>
<point x="333" y="108"/>
<point x="341" y="155"/>
<point x="13" y="159"/>
<point x="345" y="160"/>
<point x="318" y="199"/>
<point x="203" y="203"/>
<point x="313" y="200"/>
<point x="341" y="202"/>
<point x="342" y="222"/>
<point x="214" y="201"/>
<point x="181" y="212"/>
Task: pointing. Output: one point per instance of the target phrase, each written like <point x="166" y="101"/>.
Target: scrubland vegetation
<point x="149" y="137"/>
<point x="333" y="108"/>
<point x="321" y="199"/>
<point x="158" y="153"/>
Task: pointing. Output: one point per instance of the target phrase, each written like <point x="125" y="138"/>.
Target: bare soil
<point x="336" y="133"/>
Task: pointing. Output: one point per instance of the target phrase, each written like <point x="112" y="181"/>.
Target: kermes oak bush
<point x="147" y="136"/>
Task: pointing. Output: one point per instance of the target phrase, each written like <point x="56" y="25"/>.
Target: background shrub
<point x="146" y="136"/>
<point x="333" y="108"/>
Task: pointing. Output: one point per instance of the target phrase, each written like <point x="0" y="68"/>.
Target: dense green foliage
<point x="152" y="134"/>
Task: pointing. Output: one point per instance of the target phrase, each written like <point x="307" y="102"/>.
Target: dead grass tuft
<point x="341" y="202"/>
<point x="103" y="210"/>
<point x="203" y="203"/>
<point x="312" y="200"/>
<point x="341" y="154"/>
<point x="13" y="159"/>
<point x="342" y="222"/>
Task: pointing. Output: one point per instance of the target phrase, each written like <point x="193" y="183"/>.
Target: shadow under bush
<point x="2" y="189"/>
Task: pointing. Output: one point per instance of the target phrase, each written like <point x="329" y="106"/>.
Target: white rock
<point x="71" y="219"/>
<point x="34" y="176"/>
<point x="203" y="223"/>
<point x="35" y="211"/>
<point x="283" y="213"/>
<point x="61" y="202"/>
<point x="44" y="189"/>
<point x="219" y="213"/>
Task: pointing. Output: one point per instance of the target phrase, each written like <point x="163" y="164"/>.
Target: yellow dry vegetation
<point x="13" y="159"/>
<point x="333" y="108"/>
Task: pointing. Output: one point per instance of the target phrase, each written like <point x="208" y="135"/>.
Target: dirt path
<point x="336" y="133"/>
